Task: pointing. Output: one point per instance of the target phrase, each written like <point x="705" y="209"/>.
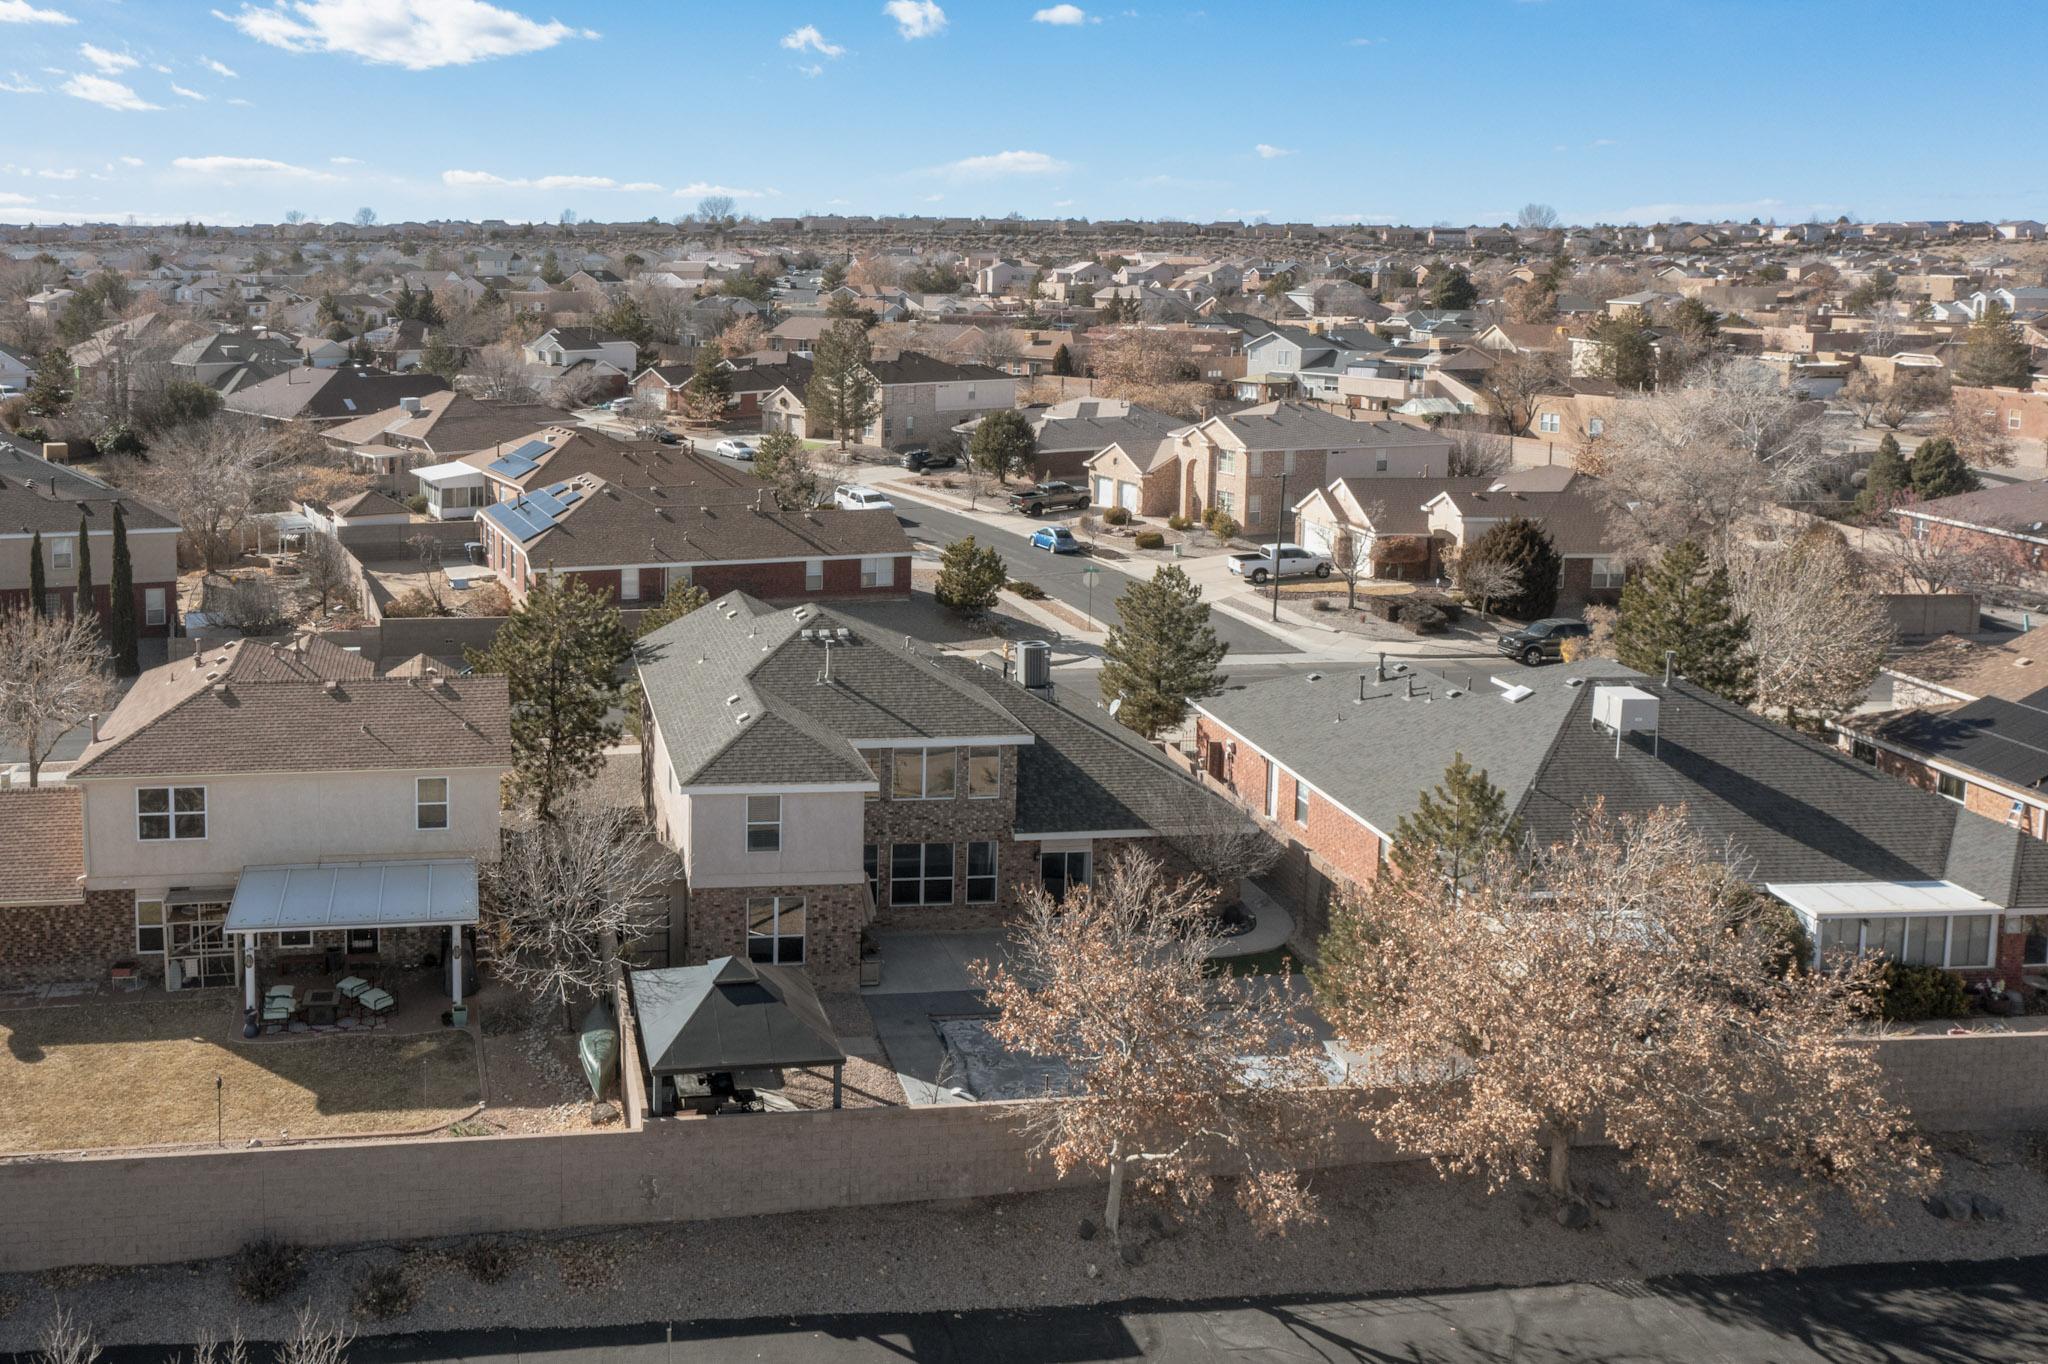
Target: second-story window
<point x="170" y="813"/>
<point x="430" y="803"/>
<point x="61" y="553"/>
<point x="984" y="773"/>
<point x="1226" y="461"/>
<point x="924" y="774"/>
<point x="764" y="823"/>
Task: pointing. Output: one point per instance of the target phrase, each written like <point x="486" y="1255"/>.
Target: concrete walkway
<point x="1274" y="927"/>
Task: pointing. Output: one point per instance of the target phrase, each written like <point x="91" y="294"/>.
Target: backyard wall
<point x="62" y="1211"/>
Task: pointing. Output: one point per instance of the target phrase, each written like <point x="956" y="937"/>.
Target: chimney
<point x="94" y="720"/>
<point x="56" y="451"/>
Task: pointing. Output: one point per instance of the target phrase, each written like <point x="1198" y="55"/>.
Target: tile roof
<point x="42" y="859"/>
<point x="247" y="707"/>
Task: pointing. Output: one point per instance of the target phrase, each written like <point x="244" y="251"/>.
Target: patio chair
<point x="351" y="987"/>
<point x="278" y="1010"/>
<point x="376" y="1002"/>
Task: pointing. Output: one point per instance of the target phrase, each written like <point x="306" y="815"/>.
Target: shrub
<point x="255" y="606"/>
<point x="1116" y="516"/>
<point x="1424" y="619"/>
<point x="1452" y="609"/>
<point x="1222" y="527"/>
<point x="489" y="1260"/>
<point x="1149" y="539"/>
<point x="1909" y="994"/>
<point x="1178" y="522"/>
<point x="488" y="599"/>
<point x="266" y="1270"/>
<point x="1028" y="591"/>
<point x="386" y="1292"/>
<point x="414" y="601"/>
<point x="417" y="504"/>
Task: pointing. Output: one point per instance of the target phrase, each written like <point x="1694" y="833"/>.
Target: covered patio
<point x="454" y="490"/>
<point x="337" y="914"/>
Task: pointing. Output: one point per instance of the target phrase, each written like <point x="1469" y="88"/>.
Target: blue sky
<point x="1457" y="111"/>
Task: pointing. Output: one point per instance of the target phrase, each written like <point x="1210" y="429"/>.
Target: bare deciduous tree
<point x="743" y="335"/>
<point x="1351" y="560"/>
<point x="1152" y="367"/>
<point x="499" y="371"/>
<point x="1486" y="581"/>
<point x="253" y="605"/>
<point x="1937" y="563"/>
<point x="54" y="672"/>
<point x="1627" y="977"/>
<point x="567" y="893"/>
<point x="1221" y="844"/>
<point x="1817" y="631"/>
<point x="1515" y="382"/>
<point x="213" y="474"/>
<point x="1113" y="982"/>
<point x="1479" y="454"/>
<point x="1980" y="438"/>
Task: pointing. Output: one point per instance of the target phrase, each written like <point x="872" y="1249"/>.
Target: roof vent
<point x="331" y="687"/>
<point x="733" y="700"/>
<point x="1315" y="677"/>
<point x="742" y="718"/>
<point x="1575" y="682"/>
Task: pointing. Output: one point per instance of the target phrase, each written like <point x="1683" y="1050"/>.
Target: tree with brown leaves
<point x="1152" y="367"/>
<point x="1113" y="981"/>
<point x="1628" y="979"/>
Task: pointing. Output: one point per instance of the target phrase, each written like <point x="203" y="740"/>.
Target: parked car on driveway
<point x="1541" y="641"/>
<point x="1044" y="497"/>
<point x="1055" y="539"/>
<point x="1286" y="561"/>
<point x="860" y="497"/>
<point x="919" y="460"/>
<point x="667" y="437"/>
<point x="734" y="448"/>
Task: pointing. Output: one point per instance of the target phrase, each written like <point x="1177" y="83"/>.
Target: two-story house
<point x="38" y="496"/>
<point x="922" y="399"/>
<point x="817" y="775"/>
<point x="229" y="797"/>
<point x="560" y="351"/>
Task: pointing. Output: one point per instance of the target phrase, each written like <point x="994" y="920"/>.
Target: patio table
<point x="320" y="1006"/>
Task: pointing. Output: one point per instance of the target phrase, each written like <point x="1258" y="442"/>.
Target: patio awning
<point x="451" y="474"/>
<point x="335" y="895"/>
<point x="1877" y="899"/>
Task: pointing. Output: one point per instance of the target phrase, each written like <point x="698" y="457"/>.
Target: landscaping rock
<point x="1574" y="1216"/>
<point x="1094" y="1270"/>
<point x="1599" y="1194"/>
<point x="1937" y="1206"/>
<point x="1987" y="1208"/>
<point x="1086" y="1230"/>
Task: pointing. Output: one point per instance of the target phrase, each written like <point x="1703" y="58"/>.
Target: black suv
<point x="1541" y="641"/>
<point x="921" y="459"/>
<point x="1045" y="497"/>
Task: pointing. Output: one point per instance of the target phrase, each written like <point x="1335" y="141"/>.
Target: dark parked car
<point x="920" y="459"/>
<point x="1541" y="641"/>
<point x="1045" y="497"/>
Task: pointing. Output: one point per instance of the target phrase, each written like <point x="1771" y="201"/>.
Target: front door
<point x="198" y="952"/>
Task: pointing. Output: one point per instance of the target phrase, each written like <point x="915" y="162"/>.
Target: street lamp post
<point x="1088" y="576"/>
<point x="1279" y="522"/>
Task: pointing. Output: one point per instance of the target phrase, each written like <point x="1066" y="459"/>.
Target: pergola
<point x="732" y="1016"/>
<point x="337" y="896"/>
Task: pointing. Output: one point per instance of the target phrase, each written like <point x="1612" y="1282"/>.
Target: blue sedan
<point x="1057" y="539"/>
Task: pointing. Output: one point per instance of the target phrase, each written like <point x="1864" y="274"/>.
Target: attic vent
<point x="213" y="677"/>
<point x="733" y="700"/>
<point x="1575" y="682"/>
<point x="1315" y="677"/>
<point x="1517" y="693"/>
<point x="742" y="718"/>
<point x="1453" y="692"/>
<point x="330" y="686"/>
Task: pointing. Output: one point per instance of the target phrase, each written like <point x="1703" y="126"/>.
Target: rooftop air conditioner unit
<point x="1625" y="710"/>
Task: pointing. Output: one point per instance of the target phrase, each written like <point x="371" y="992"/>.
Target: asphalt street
<point x="1897" y="1314"/>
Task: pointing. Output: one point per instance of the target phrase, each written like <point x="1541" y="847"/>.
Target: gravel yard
<point x="1392" y="1227"/>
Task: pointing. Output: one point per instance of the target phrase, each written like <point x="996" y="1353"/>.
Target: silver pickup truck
<point x="1294" y="562"/>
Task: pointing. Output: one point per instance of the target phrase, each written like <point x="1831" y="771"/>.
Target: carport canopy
<point x="339" y="895"/>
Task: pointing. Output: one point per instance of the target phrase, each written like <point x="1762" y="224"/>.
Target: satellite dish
<point x="1116" y="705"/>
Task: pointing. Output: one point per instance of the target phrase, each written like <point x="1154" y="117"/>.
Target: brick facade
<point x="716" y="926"/>
<point x="16" y="599"/>
<point x="40" y="944"/>
<point x="776" y="583"/>
<point x="958" y="821"/>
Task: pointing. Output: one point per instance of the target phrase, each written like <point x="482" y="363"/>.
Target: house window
<point x="430" y="803"/>
<point x="1596" y="426"/>
<point x="1255" y="505"/>
<point x="1959" y="942"/>
<point x="878" y="572"/>
<point x="921" y="874"/>
<point x="1949" y="785"/>
<point x="61" y="553"/>
<point x="153" y="607"/>
<point x="298" y="937"/>
<point x="1863" y="751"/>
<point x="1061" y="871"/>
<point x="984" y="773"/>
<point x="1607" y="573"/>
<point x="871" y="863"/>
<point x="924" y="774"/>
<point x="814" y="575"/>
<point x="170" y="812"/>
<point x="1226" y="501"/>
<point x="764" y="823"/>
<point x="1300" y="803"/>
<point x="629" y="584"/>
<point x="2035" y="926"/>
<point x="1547" y="423"/>
<point x="775" y="929"/>
<point x="1226" y="461"/>
<point x="1272" y="790"/>
<point x="981" y="873"/>
<point x="1379" y="463"/>
<point x="149" y="925"/>
<point x="2012" y="421"/>
<point x="362" y="942"/>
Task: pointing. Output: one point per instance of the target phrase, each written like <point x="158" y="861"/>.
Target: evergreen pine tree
<point x="681" y="600"/>
<point x="970" y="577"/>
<point x="1003" y="444"/>
<point x="46" y="392"/>
<point x="560" y="655"/>
<point x="1161" y="653"/>
<point x="709" y="387"/>
<point x="121" y="603"/>
<point x="83" y="603"/>
<point x="1888" y="474"/>
<point x="1994" y="352"/>
<point x="841" y="398"/>
<point x="1454" y="826"/>
<point x="1524" y="546"/>
<point x="38" y="588"/>
<point x="1063" y="361"/>
<point x="1939" y="471"/>
<point x="1678" y="604"/>
<point x="439" y="357"/>
<point x="1452" y="289"/>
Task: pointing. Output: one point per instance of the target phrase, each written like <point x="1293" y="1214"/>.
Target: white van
<point x="860" y="497"/>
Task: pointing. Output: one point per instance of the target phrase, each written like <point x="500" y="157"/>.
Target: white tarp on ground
<point x="331" y="895"/>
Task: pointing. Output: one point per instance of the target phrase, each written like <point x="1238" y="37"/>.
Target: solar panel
<point x="521" y="461"/>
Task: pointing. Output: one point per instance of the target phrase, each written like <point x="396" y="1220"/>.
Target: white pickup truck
<point x="1294" y="561"/>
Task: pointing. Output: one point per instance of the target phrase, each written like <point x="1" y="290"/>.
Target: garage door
<point x="1317" y="536"/>
<point x="1105" y="492"/>
<point x="1127" y="497"/>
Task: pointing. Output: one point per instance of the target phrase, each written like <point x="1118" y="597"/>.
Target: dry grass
<point x="141" y="1072"/>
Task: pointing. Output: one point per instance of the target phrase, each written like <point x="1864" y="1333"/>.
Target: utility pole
<point x="1278" y="524"/>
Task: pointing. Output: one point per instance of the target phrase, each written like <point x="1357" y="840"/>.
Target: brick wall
<point x="958" y="821"/>
<point x="716" y="926"/>
<point x="785" y="582"/>
<point x="44" y="943"/>
<point x="65" y="1211"/>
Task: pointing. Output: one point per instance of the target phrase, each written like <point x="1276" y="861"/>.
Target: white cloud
<point x="183" y="93"/>
<point x="22" y="12"/>
<point x="1602" y="142"/>
<point x="1362" y="42"/>
<point x="160" y="68"/>
<point x="476" y="179"/>
<point x="218" y="68"/>
<point x="811" y="72"/>
<point x="343" y="161"/>
<point x="1268" y="152"/>
<point x="418" y="35"/>
<point x="933" y="198"/>
<point x="242" y="102"/>
<point x="57" y="174"/>
<point x="14" y="83"/>
<point x="916" y="18"/>
<point x="106" y="93"/>
<point x="245" y="168"/>
<point x="109" y="63"/>
<point x="1061" y="14"/>
<point x="808" y="39"/>
<point x="698" y="189"/>
<point x="1003" y="164"/>
<point x="14" y="200"/>
<point x="131" y="161"/>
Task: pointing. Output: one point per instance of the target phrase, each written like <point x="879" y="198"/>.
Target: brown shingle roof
<point x="42" y="858"/>
<point x="2010" y="669"/>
